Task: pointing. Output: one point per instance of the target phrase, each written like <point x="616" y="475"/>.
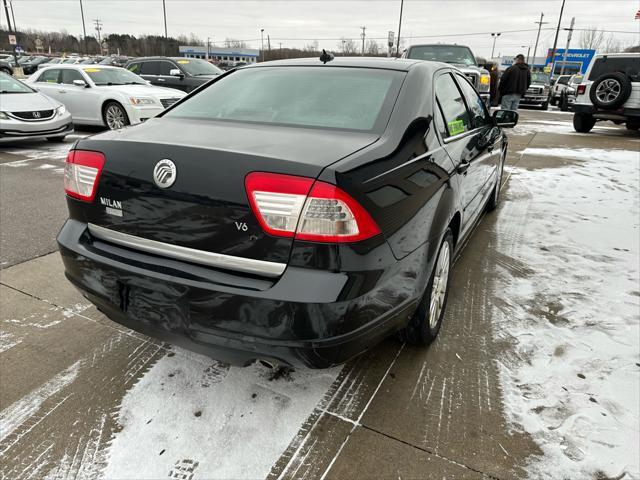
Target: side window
<point x="134" y="67"/>
<point x="150" y="68"/>
<point x="439" y="119"/>
<point x="166" y="67"/>
<point x="454" y="110"/>
<point x="479" y="114"/>
<point x="68" y="76"/>
<point x="49" y="76"/>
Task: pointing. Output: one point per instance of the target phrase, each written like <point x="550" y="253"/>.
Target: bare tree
<point x="372" y="49"/>
<point x="348" y="46"/>
<point x="591" y="38"/>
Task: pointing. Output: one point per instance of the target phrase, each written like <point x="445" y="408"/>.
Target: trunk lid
<point x="207" y="207"/>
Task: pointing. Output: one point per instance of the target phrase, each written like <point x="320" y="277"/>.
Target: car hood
<point x="145" y="90"/>
<point x="27" y="102"/>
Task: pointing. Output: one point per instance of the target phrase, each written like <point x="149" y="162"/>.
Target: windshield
<point x="344" y="98"/>
<point x="196" y="66"/>
<point x="537" y="77"/>
<point x="8" y="84"/>
<point x="113" y="76"/>
<point x="443" y="53"/>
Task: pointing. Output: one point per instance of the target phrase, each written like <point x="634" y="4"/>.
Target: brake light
<point x="288" y="206"/>
<point x="582" y="88"/>
<point x="81" y="174"/>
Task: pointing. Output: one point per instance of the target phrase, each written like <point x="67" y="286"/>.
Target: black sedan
<point x="295" y="211"/>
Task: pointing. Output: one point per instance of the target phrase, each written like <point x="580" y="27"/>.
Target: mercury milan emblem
<point x="36" y="114"/>
<point x="164" y="173"/>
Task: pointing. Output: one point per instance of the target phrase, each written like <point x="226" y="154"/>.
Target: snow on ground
<point x="192" y="415"/>
<point x="528" y="127"/>
<point x="571" y="294"/>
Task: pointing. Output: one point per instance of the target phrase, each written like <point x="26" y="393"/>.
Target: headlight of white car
<point x="142" y="101"/>
<point x="61" y="110"/>
<point x="3" y="116"/>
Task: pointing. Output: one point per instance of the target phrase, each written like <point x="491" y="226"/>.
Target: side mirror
<point x="175" y="72"/>
<point x="505" y="118"/>
<point x="80" y="83"/>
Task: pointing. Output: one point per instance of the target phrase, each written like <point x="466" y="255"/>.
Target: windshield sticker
<point x="91" y="70"/>
<point x="456" y="127"/>
<point x="183" y="61"/>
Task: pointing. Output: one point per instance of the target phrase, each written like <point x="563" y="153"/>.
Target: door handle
<point x="160" y="80"/>
<point x="463" y="167"/>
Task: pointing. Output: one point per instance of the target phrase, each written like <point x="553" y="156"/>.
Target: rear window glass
<point x="332" y="97"/>
<point x="603" y="65"/>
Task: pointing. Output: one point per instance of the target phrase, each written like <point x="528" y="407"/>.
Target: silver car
<point x="27" y="114"/>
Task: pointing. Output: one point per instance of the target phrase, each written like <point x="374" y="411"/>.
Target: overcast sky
<point x="299" y="22"/>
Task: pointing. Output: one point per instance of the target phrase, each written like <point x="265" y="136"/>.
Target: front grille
<point x="167" y="102"/>
<point x="473" y="78"/>
<point x="535" y="90"/>
<point x="34" y="116"/>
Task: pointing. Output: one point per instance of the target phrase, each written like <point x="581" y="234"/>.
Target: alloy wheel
<point x="439" y="287"/>
<point x="115" y="117"/>
<point x="608" y="90"/>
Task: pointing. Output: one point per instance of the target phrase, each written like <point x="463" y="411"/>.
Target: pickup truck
<point x="539" y="92"/>
<point x="458" y="55"/>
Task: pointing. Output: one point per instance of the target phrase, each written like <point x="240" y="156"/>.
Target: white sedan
<point x="103" y="95"/>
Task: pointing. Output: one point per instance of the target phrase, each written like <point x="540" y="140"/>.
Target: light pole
<point x="555" y="42"/>
<point x="495" y="37"/>
<point x="164" y="11"/>
<point x="84" y="30"/>
<point x="528" y="47"/>
<point x="262" y="43"/>
<point x="535" y="49"/>
<point x="208" y="48"/>
<point x="399" y="27"/>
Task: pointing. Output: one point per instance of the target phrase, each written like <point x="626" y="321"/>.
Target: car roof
<point x="401" y="64"/>
<point x="162" y="58"/>
<point x="625" y="54"/>
<point x="81" y="65"/>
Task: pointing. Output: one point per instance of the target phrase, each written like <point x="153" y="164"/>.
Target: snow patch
<point x="573" y="381"/>
<point x="192" y="413"/>
<point x="7" y="341"/>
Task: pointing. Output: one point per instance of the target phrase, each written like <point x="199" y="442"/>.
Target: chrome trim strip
<point x="218" y="260"/>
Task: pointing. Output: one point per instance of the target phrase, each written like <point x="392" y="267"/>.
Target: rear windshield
<point x="453" y="54"/>
<point x="331" y="97"/>
<point x="603" y="65"/>
<point x="197" y="67"/>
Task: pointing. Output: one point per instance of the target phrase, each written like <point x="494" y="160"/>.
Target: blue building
<point x="220" y="54"/>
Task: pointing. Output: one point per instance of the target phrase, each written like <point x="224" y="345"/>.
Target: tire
<point x="545" y="106"/>
<point x="610" y="91"/>
<point x="56" y="139"/>
<point x="494" y="201"/>
<point x="583" y="122"/>
<point x="422" y="330"/>
<point x="564" y="103"/>
<point x="553" y="101"/>
<point x="633" y="125"/>
<point x="115" y="116"/>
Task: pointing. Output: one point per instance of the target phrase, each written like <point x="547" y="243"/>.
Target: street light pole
<point x="399" y="29"/>
<point x="262" y="43"/>
<point x="528" y="47"/>
<point x="566" y="50"/>
<point x="13" y="17"/>
<point x="495" y="37"/>
<point x="164" y="11"/>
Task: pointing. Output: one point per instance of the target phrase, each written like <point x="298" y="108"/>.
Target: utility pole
<point x="262" y="43"/>
<point x="98" y="27"/>
<point x="495" y="37"/>
<point x="12" y="31"/>
<point x="564" y="56"/>
<point x="269" y="45"/>
<point x="399" y="27"/>
<point x="84" y="29"/>
<point x="555" y="42"/>
<point x="15" y="27"/>
<point x="164" y="11"/>
<point x="535" y="49"/>
<point x="208" y="48"/>
<point x="363" y="35"/>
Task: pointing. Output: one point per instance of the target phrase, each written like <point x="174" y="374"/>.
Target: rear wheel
<point x="583" y="122"/>
<point x="425" y="324"/>
<point x="115" y="116"/>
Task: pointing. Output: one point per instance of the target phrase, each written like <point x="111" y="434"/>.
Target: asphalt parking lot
<point x="539" y="339"/>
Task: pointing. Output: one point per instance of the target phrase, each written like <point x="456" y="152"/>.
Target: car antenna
<point x="326" y="57"/>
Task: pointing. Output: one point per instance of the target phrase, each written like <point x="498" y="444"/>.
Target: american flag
<point x="638" y="15"/>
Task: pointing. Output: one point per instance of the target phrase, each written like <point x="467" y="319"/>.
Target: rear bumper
<point x="620" y="114"/>
<point x="306" y="317"/>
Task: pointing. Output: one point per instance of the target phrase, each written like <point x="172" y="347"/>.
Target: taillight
<point x="81" y="174"/>
<point x="582" y="88"/>
<point x="288" y="206"/>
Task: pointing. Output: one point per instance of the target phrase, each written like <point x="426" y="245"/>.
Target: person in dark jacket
<point x="514" y="83"/>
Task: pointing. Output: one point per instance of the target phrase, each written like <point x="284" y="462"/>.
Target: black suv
<point x="185" y="74"/>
